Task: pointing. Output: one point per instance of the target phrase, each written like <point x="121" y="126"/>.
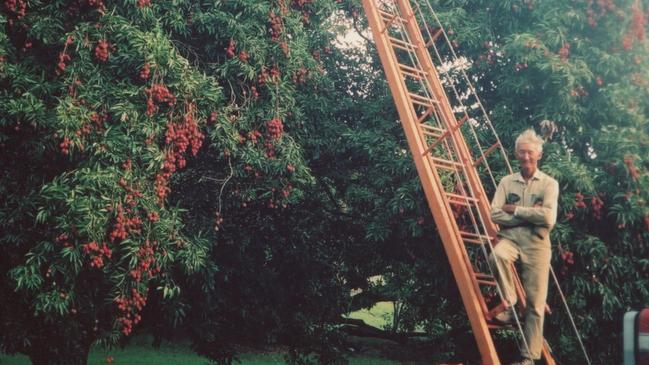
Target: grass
<point x="137" y="354"/>
<point x="174" y="355"/>
<point x="140" y="352"/>
<point x="378" y="316"/>
<point x="177" y="354"/>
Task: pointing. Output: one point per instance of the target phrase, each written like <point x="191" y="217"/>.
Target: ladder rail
<point x="438" y="105"/>
<point x="452" y="125"/>
<point x="432" y="189"/>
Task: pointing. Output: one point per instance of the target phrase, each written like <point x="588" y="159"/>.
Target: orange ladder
<point x="444" y="161"/>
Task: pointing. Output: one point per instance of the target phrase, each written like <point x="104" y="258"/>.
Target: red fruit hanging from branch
<point x="18" y="7"/>
<point x="579" y="200"/>
<point x="156" y="94"/>
<point x="633" y="170"/>
<point x="564" y="51"/>
<point x="598" y="205"/>
<point x="145" y="72"/>
<point x="60" y="66"/>
<point x="97" y="253"/>
<point x="276" y="26"/>
<point x="229" y="51"/>
<point x="179" y="137"/>
<point x="102" y="50"/>
<point x="274" y="129"/>
<point x="243" y="56"/>
<point x="65" y="145"/>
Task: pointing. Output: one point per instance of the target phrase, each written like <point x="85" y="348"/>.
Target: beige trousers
<point x="535" y="257"/>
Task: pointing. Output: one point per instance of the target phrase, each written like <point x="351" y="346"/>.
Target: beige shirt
<point x="536" y="206"/>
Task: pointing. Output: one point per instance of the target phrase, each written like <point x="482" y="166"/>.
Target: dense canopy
<point x="230" y="170"/>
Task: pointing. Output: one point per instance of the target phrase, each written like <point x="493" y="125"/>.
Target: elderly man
<point x="525" y="208"/>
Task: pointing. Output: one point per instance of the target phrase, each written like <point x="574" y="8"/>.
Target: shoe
<point x="505" y="317"/>
<point x="524" y="361"/>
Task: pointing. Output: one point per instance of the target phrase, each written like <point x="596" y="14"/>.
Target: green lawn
<point x="141" y="353"/>
<point x="378" y="316"/>
<point x="177" y="355"/>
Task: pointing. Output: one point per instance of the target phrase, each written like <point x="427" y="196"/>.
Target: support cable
<point x="572" y="320"/>
<point x="468" y="81"/>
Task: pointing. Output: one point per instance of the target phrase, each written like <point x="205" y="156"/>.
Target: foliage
<point x="232" y="165"/>
<point x="102" y="106"/>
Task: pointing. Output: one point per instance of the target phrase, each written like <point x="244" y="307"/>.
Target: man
<point x="525" y="207"/>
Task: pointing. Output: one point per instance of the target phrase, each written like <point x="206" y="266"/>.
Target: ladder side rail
<point x="460" y="176"/>
<point x="460" y="147"/>
<point x="447" y="115"/>
<point x="427" y="89"/>
<point x="469" y="208"/>
<point x="446" y="224"/>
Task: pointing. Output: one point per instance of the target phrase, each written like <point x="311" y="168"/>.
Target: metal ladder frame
<point x="417" y="134"/>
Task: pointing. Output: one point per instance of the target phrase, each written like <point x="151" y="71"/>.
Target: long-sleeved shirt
<point x="536" y="205"/>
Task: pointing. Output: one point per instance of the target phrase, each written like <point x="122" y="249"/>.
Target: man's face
<point x="528" y="156"/>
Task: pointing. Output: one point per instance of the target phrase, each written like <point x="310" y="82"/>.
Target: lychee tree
<point x="276" y="259"/>
<point x="98" y="114"/>
<point x="102" y="105"/>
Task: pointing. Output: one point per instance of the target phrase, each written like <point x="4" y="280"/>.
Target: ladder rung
<point x="474" y="238"/>
<point x="432" y="128"/>
<point x="494" y="326"/>
<point x="438" y="140"/>
<point x="402" y="44"/>
<point x="434" y="37"/>
<point x="431" y="131"/>
<point x="412" y="74"/>
<point x="422" y="100"/>
<point x="446" y="134"/>
<point x="461" y="199"/>
<point x="423" y="117"/>
<point x="496" y="310"/>
<point x="384" y="14"/>
<point x="446" y="164"/>
<point x="481" y="275"/>
<point x="430" y="134"/>
<point x="413" y="70"/>
<point x="491" y="282"/>
<point x="485" y="154"/>
<point x="388" y="19"/>
<point x="387" y="15"/>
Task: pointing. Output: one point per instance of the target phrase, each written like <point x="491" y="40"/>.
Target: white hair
<point x="529" y="136"/>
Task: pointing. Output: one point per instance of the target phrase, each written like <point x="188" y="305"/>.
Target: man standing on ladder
<point x="525" y="208"/>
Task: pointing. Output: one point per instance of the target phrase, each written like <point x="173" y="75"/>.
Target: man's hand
<point x="509" y="208"/>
